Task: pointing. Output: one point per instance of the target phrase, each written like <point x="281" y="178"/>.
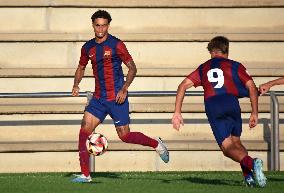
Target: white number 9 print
<point x="219" y="79"/>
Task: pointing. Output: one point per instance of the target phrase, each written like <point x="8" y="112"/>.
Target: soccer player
<point x="107" y="53"/>
<point x="224" y="81"/>
<point x="264" y="88"/>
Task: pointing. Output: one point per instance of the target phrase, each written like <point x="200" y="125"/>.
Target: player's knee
<point x="225" y="153"/>
<point x="239" y="146"/>
<point x="83" y="123"/>
<point x="225" y="149"/>
<point x="86" y="127"/>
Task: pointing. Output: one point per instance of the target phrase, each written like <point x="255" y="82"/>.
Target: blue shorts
<point x="100" y="108"/>
<point x="224" y="116"/>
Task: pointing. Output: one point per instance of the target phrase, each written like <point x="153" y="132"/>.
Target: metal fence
<point x="274" y="111"/>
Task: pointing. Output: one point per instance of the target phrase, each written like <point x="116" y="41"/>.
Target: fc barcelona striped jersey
<point x="106" y="59"/>
<point x="220" y="76"/>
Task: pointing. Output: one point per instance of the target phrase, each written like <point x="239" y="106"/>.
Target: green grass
<point x="136" y="182"/>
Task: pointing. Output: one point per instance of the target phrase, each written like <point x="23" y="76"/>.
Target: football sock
<point x="139" y="138"/>
<point x="83" y="152"/>
<point x="246" y="165"/>
<point x="245" y="170"/>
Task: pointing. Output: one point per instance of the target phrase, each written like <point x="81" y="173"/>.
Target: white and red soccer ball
<point x="96" y="144"/>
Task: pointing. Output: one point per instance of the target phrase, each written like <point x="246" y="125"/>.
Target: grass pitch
<point x="137" y="182"/>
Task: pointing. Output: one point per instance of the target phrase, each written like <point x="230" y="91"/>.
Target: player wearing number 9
<point x="224" y="81"/>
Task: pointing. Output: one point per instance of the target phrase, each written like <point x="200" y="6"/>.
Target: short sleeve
<point x="195" y="78"/>
<point x="243" y="74"/>
<point x="123" y="52"/>
<point x="84" y="58"/>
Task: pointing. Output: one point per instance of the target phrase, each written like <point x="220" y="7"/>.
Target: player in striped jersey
<point x="224" y="81"/>
<point x="106" y="54"/>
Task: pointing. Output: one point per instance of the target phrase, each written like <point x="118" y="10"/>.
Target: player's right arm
<point x="77" y="79"/>
<point x="177" y="119"/>
<point x="84" y="58"/>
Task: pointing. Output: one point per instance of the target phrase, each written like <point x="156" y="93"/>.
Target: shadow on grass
<point x="191" y="179"/>
<point x="198" y="180"/>
<point x="97" y="174"/>
<point x="217" y="182"/>
<point x="272" y="179"/>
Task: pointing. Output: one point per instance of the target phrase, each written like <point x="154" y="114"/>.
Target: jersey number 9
<point x="216" y="75"/>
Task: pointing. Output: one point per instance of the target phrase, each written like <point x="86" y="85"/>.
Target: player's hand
<point x="264" y="88"/>
<point x="177" y="120"/>
<point x="253" y="120"/>
<point x="121" y="96"/>
<point x="75" y="91"/>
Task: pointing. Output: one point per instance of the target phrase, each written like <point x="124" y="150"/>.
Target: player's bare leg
<point x="246" y="163"/>
<point x="233" y="151"/>
<point x="238" y="144"/>
<point x="139" y="138"/>
<point x="89" y="123"/>
<point x="233" y="148"/>
<point x="249" y="164"/>
<point x="122" y="130"/>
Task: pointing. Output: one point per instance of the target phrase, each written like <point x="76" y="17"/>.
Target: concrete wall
<point x="120" y="161"/>
<point x="257" y="55"/>
<point x="40" y="44"/>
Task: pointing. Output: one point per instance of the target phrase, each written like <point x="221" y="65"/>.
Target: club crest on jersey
<point x="107" y="53"/>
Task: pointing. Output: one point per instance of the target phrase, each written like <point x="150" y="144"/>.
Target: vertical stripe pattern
<point x="106" y="59"/>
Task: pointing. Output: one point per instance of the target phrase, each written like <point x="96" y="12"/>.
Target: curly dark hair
<point x="101" y="14"/>
<point x="219" y="43"/>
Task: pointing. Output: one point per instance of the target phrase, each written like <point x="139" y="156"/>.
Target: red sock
<point x="247" y="161"/>
<point x="83" y="152"/>
<point x="245" y="170"/>
<point x="246" y="165"/>
<point x="139" y="138"/>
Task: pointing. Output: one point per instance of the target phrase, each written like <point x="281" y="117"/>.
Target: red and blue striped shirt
<point x="220" y="76"/>
<point x="106" y="59"/>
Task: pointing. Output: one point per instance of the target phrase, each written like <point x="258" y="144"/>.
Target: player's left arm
<point x="253" y="94"/>
<point x="132" y="70"/>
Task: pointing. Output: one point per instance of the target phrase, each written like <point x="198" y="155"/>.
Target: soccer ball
<point x="96" y="144"/>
